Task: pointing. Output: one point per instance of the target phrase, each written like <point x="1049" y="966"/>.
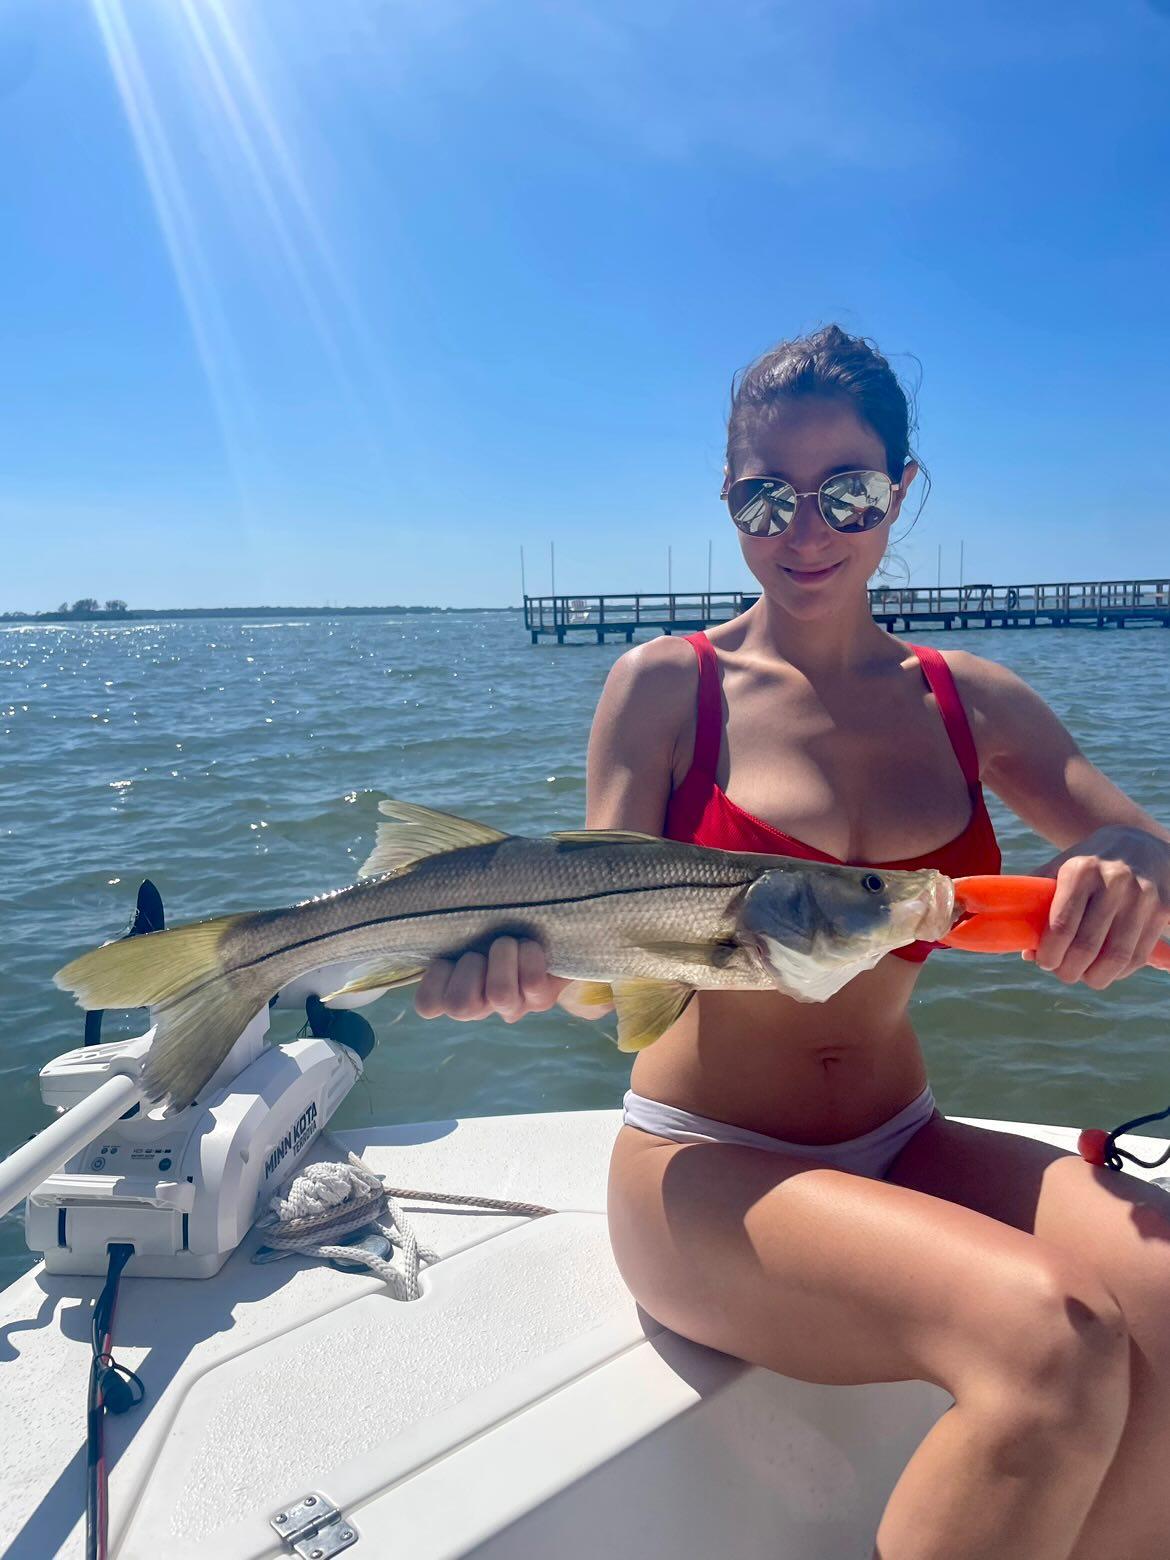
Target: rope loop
<point x="324" y="1202"/>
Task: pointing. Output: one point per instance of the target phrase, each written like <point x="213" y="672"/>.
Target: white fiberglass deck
<point x="523" y="1407"/>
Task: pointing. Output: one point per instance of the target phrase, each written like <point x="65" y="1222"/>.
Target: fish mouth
<point x="928" y="915"/>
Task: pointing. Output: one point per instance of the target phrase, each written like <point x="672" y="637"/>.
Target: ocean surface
<point x="239" y="765"/>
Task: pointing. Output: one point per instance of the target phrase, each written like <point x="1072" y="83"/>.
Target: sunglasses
<point x="851" y="501"/>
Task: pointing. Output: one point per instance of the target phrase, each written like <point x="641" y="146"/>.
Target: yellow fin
<point x="418" y="832"/>
<point x="604" y="837"/>
<point x="646" y="1009"/>
<point x="379" y="978"/>
<point x="198" y="1005"/>
<point x="593" y="993"/>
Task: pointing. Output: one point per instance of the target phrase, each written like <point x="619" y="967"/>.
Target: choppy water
<point x="239" y="765"/>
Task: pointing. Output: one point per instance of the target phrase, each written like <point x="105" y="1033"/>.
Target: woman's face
<point x="811" y="570"/>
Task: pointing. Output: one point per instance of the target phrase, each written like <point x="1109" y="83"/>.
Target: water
<point x="239" y="765"/>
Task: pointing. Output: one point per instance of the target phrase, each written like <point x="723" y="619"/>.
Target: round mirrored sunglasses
<point x="850" y="501"/>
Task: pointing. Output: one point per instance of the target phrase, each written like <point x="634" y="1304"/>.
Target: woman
<point x="784" y="1188"/>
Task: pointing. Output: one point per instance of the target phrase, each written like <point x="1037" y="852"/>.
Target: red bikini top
<point x="700" y="813"/>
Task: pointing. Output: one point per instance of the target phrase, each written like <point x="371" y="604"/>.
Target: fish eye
<point x="872" y="883"/>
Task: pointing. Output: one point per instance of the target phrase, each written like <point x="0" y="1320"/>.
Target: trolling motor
<point x="183" y="1188"/>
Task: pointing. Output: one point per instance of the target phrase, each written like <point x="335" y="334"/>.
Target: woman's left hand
<point x="1112" y="903"/>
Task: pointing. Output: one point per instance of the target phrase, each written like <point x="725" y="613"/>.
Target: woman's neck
<point x="838" y="643"/>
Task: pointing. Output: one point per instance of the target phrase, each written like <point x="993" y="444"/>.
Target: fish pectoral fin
<point x="646" y="1009"/>
<point x="713" y="953"/>
<point x="380" y="977"/>
<point x="603" y="837"/>
<point x="418" y="832"/>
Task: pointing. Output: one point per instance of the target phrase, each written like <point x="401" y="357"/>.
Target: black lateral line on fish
<point x="521" y="904"/>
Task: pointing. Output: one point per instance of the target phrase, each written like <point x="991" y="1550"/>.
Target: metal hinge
<point x="315" y="1528"/>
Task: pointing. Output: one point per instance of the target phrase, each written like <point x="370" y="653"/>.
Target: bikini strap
<point x="941" y="682"/>
<point x="708" y="707"/>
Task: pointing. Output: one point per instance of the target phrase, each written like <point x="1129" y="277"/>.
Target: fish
<point x="1009" y="914"/>
<point x="634" y="919"/>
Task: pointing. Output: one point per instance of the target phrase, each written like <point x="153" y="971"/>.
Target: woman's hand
<point x="1112" y="903"/>
<point x="512" y="980"/>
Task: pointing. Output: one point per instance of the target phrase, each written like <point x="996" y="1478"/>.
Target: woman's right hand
<point x="511" y="980"/>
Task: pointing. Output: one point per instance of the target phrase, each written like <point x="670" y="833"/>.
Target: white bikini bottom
<point x="871" y="1154"/>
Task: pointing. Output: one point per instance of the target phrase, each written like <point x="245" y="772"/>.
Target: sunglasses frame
<point x="817" y="493"/>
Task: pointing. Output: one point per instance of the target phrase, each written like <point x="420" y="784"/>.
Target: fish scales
<point x="581" y="902"/>
<point x="653" y="920"/>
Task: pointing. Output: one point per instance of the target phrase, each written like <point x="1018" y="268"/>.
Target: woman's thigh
<point x="833" y="1277"/>
<point x="1118" y="1225"/>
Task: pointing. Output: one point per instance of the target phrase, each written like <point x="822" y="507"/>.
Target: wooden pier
<point x="899" y="608"/>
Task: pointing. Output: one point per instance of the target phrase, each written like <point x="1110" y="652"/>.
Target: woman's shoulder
<point x="643" y="726"/>
<point x="647" y="709"/>
<point x="1000" y="705"/>
<point x="659" y="677"/>
<point x="982" y="681"/>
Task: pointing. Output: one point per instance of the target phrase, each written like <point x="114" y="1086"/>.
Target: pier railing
<point x="632" y="609"/>
<point x="1079" y="596"/>
<point x="1058" y="604"/>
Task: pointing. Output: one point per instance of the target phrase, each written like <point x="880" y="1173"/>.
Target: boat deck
<point x="522" y="1407"/>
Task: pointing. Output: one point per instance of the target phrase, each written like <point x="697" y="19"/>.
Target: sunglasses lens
<point x="856" y="500"/>
<point x="761" y="508"/>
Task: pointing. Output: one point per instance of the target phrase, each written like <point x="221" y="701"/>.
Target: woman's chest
<point x="878" y="781"/>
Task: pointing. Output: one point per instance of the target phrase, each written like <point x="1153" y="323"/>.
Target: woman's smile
<point x="809" y="574"/>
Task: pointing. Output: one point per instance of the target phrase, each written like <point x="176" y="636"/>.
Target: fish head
<point x="814" y="927"/>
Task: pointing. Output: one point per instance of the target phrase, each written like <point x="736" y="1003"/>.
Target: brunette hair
<point x="827" y="363"/>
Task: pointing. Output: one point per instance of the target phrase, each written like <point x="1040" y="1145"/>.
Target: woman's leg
<point x="1120" y="1227"/>
<point x="833" y="1277"/>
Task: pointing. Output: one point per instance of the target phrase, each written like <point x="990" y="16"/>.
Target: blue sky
<point x="348" y="303"/>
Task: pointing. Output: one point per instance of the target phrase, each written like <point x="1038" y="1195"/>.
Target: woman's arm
<point x="1112" y="899"/>
<point x="643" y="707"/>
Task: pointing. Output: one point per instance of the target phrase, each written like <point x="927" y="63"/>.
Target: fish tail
<point x="199" y="1003"/>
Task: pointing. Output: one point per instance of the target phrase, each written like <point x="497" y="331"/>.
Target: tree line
<point x="87" y="606"/>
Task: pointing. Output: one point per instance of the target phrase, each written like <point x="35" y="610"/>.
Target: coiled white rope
<point x="325" y="1201"/>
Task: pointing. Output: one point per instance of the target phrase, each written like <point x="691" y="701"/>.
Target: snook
<point x="652" y="919"/>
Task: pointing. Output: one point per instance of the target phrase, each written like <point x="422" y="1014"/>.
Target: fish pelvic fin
<point x="647" y="1009"/>
<point x="199" y="1006"/>
<point x="417" y="832"/>
<point x="591" y="993"/>
<point x="384" y="977"/>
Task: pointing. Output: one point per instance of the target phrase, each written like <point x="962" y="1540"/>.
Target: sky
<point x="360" y="303"/>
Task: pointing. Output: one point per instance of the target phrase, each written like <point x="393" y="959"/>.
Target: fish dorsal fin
<point x="417" y="832"/>
<point x="604" y="837"/>
<point x="646" y="1009"/>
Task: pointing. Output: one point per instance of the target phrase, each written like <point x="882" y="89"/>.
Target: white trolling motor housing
<point x="183" y="1189"/>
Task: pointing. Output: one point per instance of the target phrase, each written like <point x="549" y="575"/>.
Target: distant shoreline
<point x="165" y="614"/>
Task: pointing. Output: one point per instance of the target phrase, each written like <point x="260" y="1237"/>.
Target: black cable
<point x="1114" y="1155"/>
<point x="111" y="1387"/>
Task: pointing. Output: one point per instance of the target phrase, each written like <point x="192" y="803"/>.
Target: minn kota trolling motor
<point x="181" y="1189"/>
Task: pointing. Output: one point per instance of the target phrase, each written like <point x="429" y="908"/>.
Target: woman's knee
<point x="1059" y="1356"/>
